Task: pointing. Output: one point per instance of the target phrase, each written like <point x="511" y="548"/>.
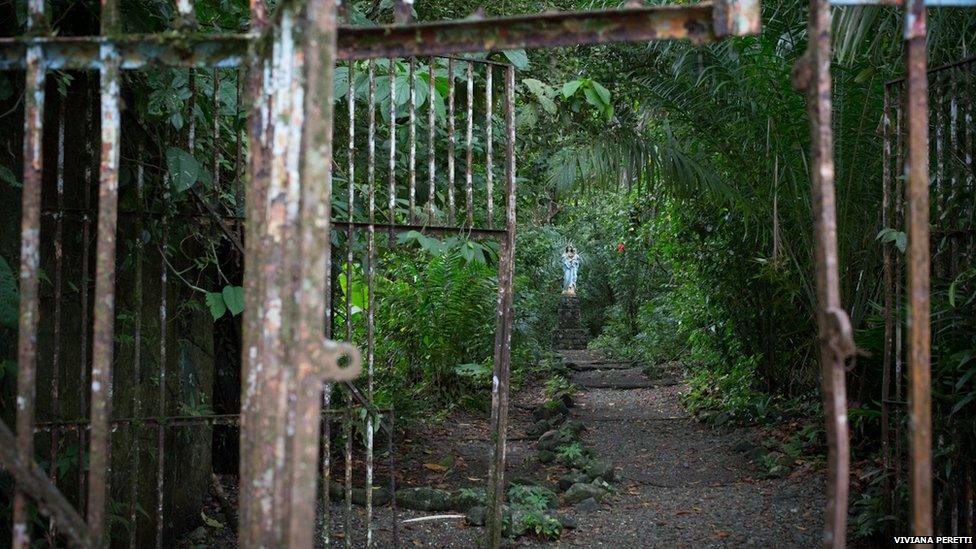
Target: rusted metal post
<point x="30" y="261"/>
<point x="103" y="336"/>
<point x="812" y="75"/>
<point x="489" y="166"/>
<point x="919" y="261"/>
<point x="450" y="141"/>
<point x="286" y="356"/>
<point x="503" y="330"/>
<point x="468" y="146"/>
<point x="431" y="133"/>
<point x="889" y="314"/>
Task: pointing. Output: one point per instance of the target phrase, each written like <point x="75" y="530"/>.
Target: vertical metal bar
<point x="258" y="367"/>
<point x="836" y="340"/>
<point x="104" y="324"/>
<point x="30" y="259"/>
<point x="503" y="332"/>
<point x="469" y="138"/>
<point x="238" y="160"/>
<point x="888" y="313"/>
<point x="371" y="303"/>
<point x="392" y="174"/>
<point x="431" y="134"/>
<point x="215" y="190"/>
<point x="347" y="431"/>
<point x="489" y="166"/>
<point x="899" y="214"/>
<point x="315" y="268"/>
<point x="58" y="287"/>
<point x="163" y="334"/>
<point x="917" y="196"/>
<point x="450" y="141"/>
<point x="83" y="298"/>
<point x="412" y="80"/>
<point x="391" y="445"/>
<point x="136" y="454"/>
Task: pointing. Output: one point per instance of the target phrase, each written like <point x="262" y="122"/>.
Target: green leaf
<point x="234" y="298"/>
<point x="601" y="91"/>
<point x="569" y="88"/>
<point x="184" y="169"/>
<point x="517" y="58"/>
<point x="543" y="93"/>
<point x="215" y="301"/>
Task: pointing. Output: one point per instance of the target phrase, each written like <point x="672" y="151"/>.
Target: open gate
<point x="288" y="361"/>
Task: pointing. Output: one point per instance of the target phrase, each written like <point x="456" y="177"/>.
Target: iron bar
<point x="888" y="313"/>
<point x="30" y="260"/>
<point x="703" y="22"/>
<point x="391" y="176"/>
<point x="412" y="143"/>
<point x="451" y="142"/>
<point x="489" y="167"/>
<point x="503" y="331"/>
<point x="431" y="134"/>
<point x="469" y="156"/>
<point x="104" y="322"/>
<point x="58" y="293"/>
<point x="136" y="455"/>
<point x="918" y="258"/>
<point x="835" y="334"/>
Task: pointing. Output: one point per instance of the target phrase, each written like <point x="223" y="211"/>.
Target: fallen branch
<point x="433" y="517"/>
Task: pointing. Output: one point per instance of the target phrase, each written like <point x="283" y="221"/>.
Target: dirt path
<point x="681" y="483"/>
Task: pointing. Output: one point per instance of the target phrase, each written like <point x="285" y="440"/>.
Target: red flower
<point x="620" y="248"/>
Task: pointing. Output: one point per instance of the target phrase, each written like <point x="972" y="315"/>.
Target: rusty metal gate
<point x="951" y="141"/>
<point x="289" y="359"/>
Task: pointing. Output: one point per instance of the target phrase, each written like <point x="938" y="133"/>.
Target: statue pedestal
<point x="570" y="334"/>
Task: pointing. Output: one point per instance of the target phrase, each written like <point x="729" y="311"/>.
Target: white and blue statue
<point x="571" y="263"/>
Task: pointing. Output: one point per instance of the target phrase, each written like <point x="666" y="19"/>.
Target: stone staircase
<point x="570" y="335"/>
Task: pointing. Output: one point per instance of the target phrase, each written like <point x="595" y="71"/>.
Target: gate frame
<point x="288" y="228"/>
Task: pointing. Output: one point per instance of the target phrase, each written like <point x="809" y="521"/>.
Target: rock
<point x="743" y="446"/>
<point x="337" y="492"/>
<point x="721" y="419"/>
<point x="554" y="438"/>
<point x="424" y="499"/>
<point x="539" y="428"/>
<point x="545" y="456"/>
<point x="567" y="521"/>
<point x="476" y="515"/>
<point x="599" y="469"/>
<point x="588" y="505"/>
<point x="569" y="479"/>
<point x="582" y="491"/>
<point x="463" y="500"/>
<point x="573" y="427"/>
<point x="550" y="409"/>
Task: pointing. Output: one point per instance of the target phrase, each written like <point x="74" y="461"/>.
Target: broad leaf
<point x="517" y="58"/>
<point x="569" y="88"/>
<point x="234" y="298"/>
<point x="215" y="301"/>
<point x="184" y="170"/>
